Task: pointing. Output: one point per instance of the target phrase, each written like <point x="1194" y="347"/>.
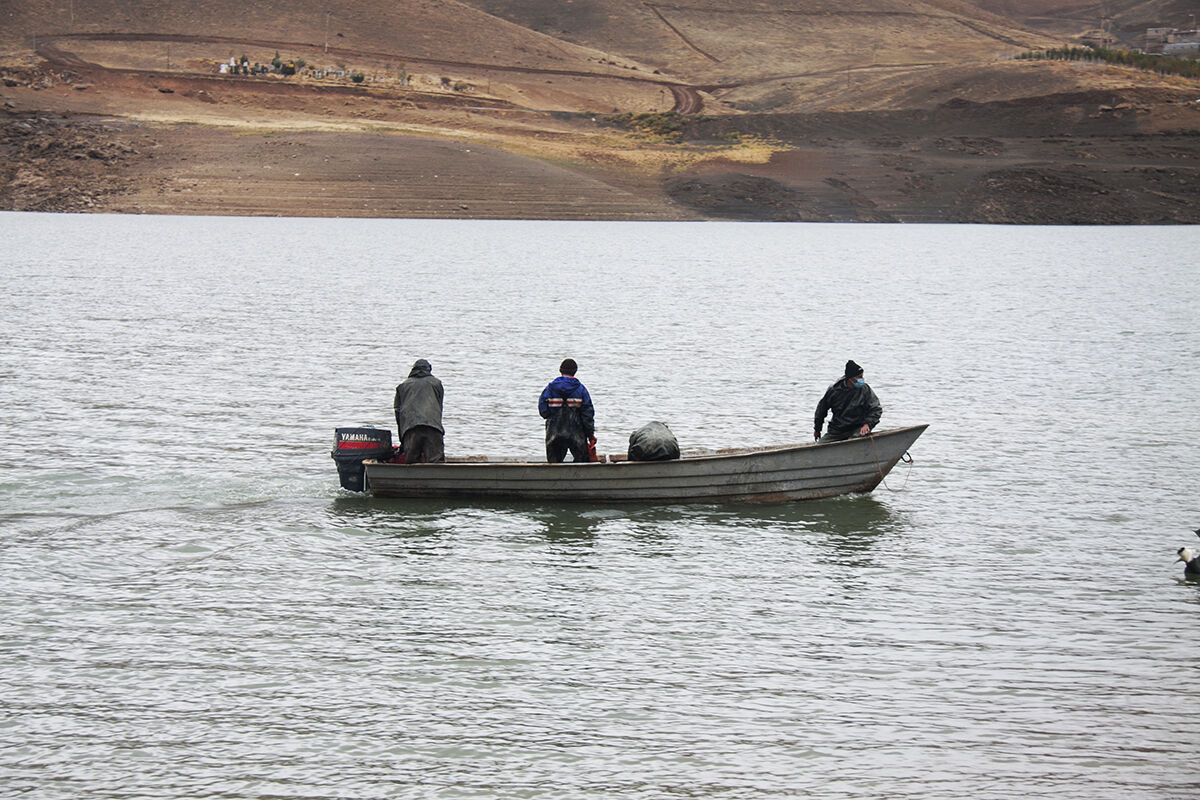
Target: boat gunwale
<point x="741" y="453"/>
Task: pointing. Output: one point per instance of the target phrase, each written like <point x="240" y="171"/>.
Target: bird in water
<point x="1191" y="562"/>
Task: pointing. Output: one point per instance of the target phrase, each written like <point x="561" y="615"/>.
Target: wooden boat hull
<point x="767" y="475"/>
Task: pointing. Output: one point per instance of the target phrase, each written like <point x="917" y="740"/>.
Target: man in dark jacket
<point x="570" y="418"/>
<point x="856" y="409"/>
<point x="419" y="415"/>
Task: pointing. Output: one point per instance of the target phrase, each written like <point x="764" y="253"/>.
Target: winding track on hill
<point x="687" y="100"/>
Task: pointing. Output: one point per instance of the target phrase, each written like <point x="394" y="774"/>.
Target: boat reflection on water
<point x="845" y="528"/>
<point x="852" y="531"/>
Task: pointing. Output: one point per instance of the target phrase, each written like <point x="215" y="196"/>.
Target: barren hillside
<point x="777" y="54"/>
<point x="622" y="109"/>
<point x="770" y="54"/>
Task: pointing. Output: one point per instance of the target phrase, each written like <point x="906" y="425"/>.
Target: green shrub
<point x="667" y="124"/>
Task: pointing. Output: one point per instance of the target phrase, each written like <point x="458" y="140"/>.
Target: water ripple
<point x="192" y="609"/>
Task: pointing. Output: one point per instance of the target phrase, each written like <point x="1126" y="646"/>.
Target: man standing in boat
<point x="856" y="409"/>
<point x="570" y="418"/>
<point x="418" y="407"/>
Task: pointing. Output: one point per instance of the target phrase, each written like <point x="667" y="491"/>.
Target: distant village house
<point x="1172" y="41"/>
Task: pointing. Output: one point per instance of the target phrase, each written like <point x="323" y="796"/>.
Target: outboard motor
<point x="351" y="446"/>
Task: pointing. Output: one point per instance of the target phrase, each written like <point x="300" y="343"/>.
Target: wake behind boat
<point x="762" y="475"/>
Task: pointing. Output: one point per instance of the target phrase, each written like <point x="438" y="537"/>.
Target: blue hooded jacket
<point x="567" y="408"/>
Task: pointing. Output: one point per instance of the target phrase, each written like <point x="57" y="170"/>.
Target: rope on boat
<point x="906" y="458"/>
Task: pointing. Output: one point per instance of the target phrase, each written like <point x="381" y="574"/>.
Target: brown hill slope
<point x="812" y="109"/>
<point x="770" y="55"/>
<point x="406" y="29"/>
<point x="778" y="54"/>
<point x="733" y="47"/>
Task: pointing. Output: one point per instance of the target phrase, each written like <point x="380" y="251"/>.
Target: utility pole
<point x="326" y="31"/>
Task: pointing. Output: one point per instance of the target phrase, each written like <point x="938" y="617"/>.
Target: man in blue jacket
<point x="570" y="418"/>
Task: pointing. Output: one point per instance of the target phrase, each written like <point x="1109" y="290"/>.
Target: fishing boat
<point x="761" y="475"/>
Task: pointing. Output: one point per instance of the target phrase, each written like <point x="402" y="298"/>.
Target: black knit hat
<point x="568" y="367"/>
<point x="853" y="370"/>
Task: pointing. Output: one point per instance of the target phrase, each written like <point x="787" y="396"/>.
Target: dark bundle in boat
<point x="653" y="442"/>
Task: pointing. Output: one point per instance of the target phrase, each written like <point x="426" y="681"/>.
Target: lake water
<point x="192" y="608"/>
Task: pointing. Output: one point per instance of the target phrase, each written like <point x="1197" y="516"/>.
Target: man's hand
<point x="864" y="430"/>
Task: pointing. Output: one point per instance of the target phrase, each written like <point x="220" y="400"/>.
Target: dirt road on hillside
<point x="687" y="99"/>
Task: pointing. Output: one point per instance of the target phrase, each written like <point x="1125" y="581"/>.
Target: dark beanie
<point x="568" y="367"/>
<point x="853" y="370"/>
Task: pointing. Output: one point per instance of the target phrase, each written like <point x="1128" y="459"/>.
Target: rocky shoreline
<point x="64" y="165"/>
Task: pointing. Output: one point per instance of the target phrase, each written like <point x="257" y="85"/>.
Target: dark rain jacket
<point x="852" y="407"/>
<point x="419" y="400"/>
<point x="567" y="408"/>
